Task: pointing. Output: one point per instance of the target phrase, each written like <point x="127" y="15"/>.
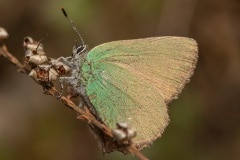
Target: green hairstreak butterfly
<point x="132" y="81"/>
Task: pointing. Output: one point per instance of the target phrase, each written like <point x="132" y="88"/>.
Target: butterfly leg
<point x="65" y="60"/>
<point x="70" y="92"/>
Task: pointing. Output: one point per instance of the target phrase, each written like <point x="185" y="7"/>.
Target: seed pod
<point x="34" y="46"/>
<point x="60" y="67"/>
<point x="119" y="135"/>
<point x="33" y="75"/>
<point x="122" y="125"/>
<point x="43" y="74"/>
<point x="37" y="59"/>
<point x="131" y="133"/>
<point x="3" y="33"/>
<point x="52" y="75"/>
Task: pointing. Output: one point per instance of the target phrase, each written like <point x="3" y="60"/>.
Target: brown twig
<point x="132" y="149"/>
<point x="5" y="53"/>
<point x="83" y="113"/>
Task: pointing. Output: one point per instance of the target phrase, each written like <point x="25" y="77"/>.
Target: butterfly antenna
<point x="73" y="26"/>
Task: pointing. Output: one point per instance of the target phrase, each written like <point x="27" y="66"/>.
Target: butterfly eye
<point x="80" y="49"/>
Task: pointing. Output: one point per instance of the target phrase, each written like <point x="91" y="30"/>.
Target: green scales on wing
<point x="133" y="80"/>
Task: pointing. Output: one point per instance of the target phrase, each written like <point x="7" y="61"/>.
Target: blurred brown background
<point x="204" y="120"/>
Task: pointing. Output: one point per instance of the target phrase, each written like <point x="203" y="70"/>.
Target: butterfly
<point x="132" y="81"/>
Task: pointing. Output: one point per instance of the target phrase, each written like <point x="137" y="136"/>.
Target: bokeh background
<point x="204" y="120"/>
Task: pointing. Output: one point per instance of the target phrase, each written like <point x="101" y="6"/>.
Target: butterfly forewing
<point x="132" y="80"/>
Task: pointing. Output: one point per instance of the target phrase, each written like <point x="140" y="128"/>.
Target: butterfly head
<point x="79" y="49"/>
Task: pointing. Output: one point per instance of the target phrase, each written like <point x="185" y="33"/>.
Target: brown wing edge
<point x="149" y="142"/>
<point x="191" y="70"/>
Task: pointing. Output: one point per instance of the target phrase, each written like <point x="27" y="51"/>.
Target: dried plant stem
<point x="136" y="152"/>
<point x="83" y="113"/>
<point x="5" y="53"/>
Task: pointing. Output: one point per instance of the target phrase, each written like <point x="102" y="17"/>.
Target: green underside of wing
<point x="120" y="96"/>
<point x="130" y="81"/>
<point x="168" y="61"/>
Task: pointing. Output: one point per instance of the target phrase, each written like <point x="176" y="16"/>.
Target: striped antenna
<point x="73" y="26"/>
